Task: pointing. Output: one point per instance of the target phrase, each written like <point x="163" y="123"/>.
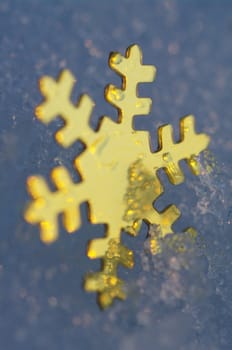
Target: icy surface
<point x="177" y="300"/>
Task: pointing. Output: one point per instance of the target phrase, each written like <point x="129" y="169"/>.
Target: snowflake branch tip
<point x="189" y="146"/>
<point x="47" y="205"/>
<point x="133" y="72"/>
<point x="57" y="103"/>
<point x="106" y="282"/>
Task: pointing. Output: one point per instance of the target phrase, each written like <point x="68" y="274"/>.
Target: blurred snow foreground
<point x="182" y="296"/>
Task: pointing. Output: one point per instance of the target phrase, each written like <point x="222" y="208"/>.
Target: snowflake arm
<point x="170" y="153"/>
<point x="133" y="72"/>
<point x="57" y="102"/>
<point x="106" y="282"/>
<point x="47" y="205"/>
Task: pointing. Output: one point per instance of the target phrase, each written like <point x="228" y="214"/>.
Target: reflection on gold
<point x="117" y="167"/>
<point x="143" y="188"/>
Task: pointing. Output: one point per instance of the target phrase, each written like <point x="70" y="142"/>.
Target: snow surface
<point x="176" y="300"/>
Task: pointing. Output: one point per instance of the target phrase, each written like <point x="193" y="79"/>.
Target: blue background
<point x="176" y="301"/>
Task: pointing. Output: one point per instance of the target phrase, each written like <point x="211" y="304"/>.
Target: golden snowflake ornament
<point x="118" y="169"/>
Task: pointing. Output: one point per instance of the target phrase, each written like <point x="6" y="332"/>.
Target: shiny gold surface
<point x="118" y="169"/>
<point x="106" y="282"/>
